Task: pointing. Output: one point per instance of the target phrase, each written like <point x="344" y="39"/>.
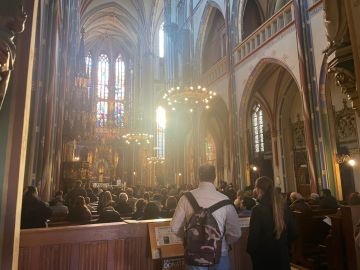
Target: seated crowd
<point x="83" y="205"/>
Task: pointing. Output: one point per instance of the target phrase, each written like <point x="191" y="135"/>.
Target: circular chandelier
<point x="191" y="96"/>
<point x="155" y="160"/>
<point x="137" y="138"/>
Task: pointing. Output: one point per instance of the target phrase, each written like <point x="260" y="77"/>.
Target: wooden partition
<point x="111" y="246"/>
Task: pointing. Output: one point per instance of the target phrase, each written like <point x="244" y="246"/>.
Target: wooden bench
<point x="107" y="246"/>
<point x="308" y="249"/>
<point x="340" y="243"/>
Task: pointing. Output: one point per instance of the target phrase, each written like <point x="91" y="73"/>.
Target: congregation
<point x="86" y="204"/>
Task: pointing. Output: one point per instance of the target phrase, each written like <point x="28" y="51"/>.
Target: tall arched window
<point x="161" y="41"/>
<point x="102" y="90"/>
<point x="210" y="150"/>
<point x="88" y="63"/>
<point x="119" y="78"/>
<point x="160" y="132"/>
<point x="119" y="91"/>
<point x="257" y="121"/>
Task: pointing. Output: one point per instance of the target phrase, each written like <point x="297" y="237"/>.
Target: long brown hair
<point x="267" y="186"/>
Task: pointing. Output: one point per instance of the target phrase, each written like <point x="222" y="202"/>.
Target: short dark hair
<point x="248" y="203"/>
<point x="207" y="173"/>
<point x="326" y="192"/>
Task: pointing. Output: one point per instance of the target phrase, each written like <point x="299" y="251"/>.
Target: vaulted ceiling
<point x="124" y="24"/>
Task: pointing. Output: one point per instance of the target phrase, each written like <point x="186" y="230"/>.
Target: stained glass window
<point x="119" y="113"/>
<point x="119" y="78"/>
<point x="161" y="41"/>
<point x="160" y="131"/>
<point x="102" y="90"/>
<point x="103" y="77"/>
<point x="102" y="112"/>
<point x="88" y="63"/>
<point x="257" y="120"/>
<point x="210" y="150"/>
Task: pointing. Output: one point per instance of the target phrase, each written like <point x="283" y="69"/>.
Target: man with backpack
<point x="208" y="222"/>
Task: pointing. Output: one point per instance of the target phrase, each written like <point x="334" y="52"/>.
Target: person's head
<point x="151" y="211"/>
<point x="326" y="192"/>
<point x="78" y="184"/>
<point x="140" y="205"/>
<point x="107" y="198"/>
<point x="130" y="192"/>
<point x="248" y="203"/>
<point x="314" y="196"/>
<point x="264" y="189"/>
<point x="79" y="201"/>
<point x="171" y="202"/>
<point x="207" y="173"/>
<point x="31" y="191"/>
<point x="123" y="197"/>
<point x="157" y="197"/>
<point x="146" y="196"/>
<point x="295" y="196"/>
<point x="354" y="198"/>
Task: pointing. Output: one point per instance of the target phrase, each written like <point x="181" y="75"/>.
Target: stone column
<point x="14" y="119"/>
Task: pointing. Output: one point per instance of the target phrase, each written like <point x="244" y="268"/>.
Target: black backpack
<point x="203" y="238"/>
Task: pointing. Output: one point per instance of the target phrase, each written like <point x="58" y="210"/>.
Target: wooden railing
<point x="218" y="70"/>
<point x="111" y="246"/>
<point x="279" y="21"/>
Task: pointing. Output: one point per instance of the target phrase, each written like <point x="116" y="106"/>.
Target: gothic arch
<point x="211" y="6"/>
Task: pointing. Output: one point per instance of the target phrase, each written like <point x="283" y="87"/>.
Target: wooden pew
<point x="108" y="246"/>
<point x="350" y="217"/>
<point x="308" y="249"/>
<point x="340" y="243"/>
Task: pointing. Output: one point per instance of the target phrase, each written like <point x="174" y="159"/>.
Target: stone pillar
<point x="14" y="119"/>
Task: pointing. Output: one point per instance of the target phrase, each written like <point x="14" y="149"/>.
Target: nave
<point x="108" y="104"/>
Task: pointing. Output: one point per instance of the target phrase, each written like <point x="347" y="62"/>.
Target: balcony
<point x="266" y="32"/>
<point x="219" y="69"/>
<point x="263" y="35"/>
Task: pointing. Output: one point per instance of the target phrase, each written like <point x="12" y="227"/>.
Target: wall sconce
<point x="340" y="159"/>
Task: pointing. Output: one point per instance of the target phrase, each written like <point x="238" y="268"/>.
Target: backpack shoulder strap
<point x="218" y="205"/>
<point x="192" y="201"/>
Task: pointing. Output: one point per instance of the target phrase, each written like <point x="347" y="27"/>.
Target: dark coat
<point x="328" y="202"/>
<point x="301" y="206"/>
<point x="265" y="250"/>
<point x="109" y="214"/>
<point x="34" y="213"/>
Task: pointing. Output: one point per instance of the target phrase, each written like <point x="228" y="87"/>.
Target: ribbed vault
<point x="120" y="24"/>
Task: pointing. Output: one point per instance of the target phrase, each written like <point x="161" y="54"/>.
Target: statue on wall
<point x="337" y="31"/>
<point x="9" y="26"/>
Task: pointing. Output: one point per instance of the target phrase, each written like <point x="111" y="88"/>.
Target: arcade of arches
<point x="83" y="99"/>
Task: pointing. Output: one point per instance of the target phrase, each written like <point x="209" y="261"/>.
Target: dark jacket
<point x="109" y="214"/>
<point x="73" y="194"/>
<point x="79" y="214"/>
<point x="265" y="250"/>
<point x="123" y="208"/>
<point x="328" y="202"/>
<point x="301" y="206"/>
<point x="34" y="213"/>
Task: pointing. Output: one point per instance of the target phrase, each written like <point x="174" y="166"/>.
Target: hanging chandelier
<point x="192" y="97"/>
<point x="137" y="138"/>
<point x="155" y="160"/>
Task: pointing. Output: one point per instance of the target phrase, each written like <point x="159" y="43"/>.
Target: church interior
<point x="130" y="97"/>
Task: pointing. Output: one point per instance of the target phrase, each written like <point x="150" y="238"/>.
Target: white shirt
<point x="206" y="195"/>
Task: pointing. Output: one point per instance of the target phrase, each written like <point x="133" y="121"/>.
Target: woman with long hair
<point x="271" y="228"/>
